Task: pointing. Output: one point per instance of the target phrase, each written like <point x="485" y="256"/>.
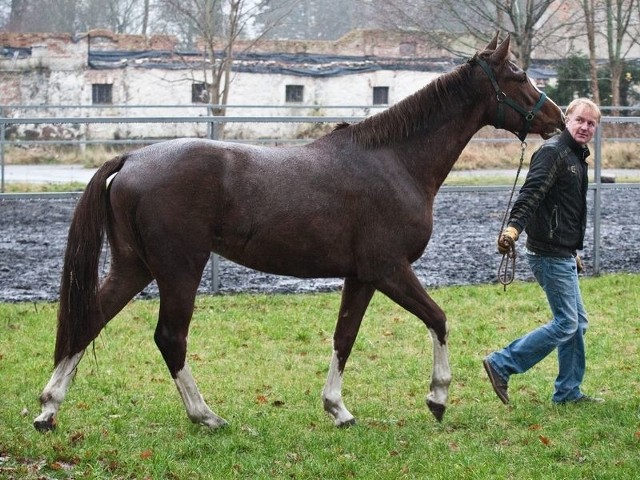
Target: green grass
<point x="261" y="362"/>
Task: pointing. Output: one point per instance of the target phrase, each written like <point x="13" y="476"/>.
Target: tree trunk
<point x="589" y="9"/>
<point x="16" y="16"/>
<point x="145" y="17"/>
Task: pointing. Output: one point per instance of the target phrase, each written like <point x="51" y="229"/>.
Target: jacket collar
<point x="582" y="151"/>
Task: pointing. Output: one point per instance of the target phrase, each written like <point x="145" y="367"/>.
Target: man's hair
<point x="584" y="102"/>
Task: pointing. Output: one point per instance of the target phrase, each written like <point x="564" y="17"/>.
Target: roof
<point x="302" y="64"/>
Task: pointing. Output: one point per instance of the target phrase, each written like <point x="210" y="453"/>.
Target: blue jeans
<point x="558" y="277"/>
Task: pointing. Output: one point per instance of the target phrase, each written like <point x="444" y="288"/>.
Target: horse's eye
<point x="515" y="69"/>
<point x="518" y="74"/>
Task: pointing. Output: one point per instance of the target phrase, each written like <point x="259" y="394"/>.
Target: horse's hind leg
<point x="355" y="300"/>
<point x="114" y="294"/>
<point x="405" y="289"/>
<point x="177" y="297"/>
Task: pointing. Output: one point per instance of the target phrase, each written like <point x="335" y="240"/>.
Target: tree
<point x="589" y="8"/>
<point x="71" y="16"/>
<point x="215" y="26"/>
<point x="17" y="12"/>
<point x="617" y="23"/>
<point x="571" y="80"/>
<point x="621" y="35"/>
<point x="41" y="16"/>
<point x="460" y="25"/>
<point x="118" y="16"/>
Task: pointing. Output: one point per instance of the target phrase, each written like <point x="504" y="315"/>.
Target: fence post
<point x="215" y="258"/>
<point x="597" y="202"/>
<point x="2" y="139"/>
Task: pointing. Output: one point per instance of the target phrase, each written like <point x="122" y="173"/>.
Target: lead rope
<point x="507" y="267"/>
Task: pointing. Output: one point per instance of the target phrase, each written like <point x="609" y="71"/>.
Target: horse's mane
<point x="417" y="112"/>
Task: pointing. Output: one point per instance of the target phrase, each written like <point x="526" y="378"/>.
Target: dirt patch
<point x="461" y="251"/>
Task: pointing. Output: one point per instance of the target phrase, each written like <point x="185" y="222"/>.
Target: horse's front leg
<point x="355" y="299"/>
<point x="53" y="394"/>
<point x="404" y="288"/>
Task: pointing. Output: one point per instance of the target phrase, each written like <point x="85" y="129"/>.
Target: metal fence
<point x="213" y="122"/>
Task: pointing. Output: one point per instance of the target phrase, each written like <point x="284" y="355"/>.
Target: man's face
<point x="582" y="123"/>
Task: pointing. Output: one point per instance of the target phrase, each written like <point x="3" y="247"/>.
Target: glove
<point x="507" y="238"/>
<point x="579" y="264"/>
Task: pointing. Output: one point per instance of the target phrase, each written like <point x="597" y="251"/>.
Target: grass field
<point x="261" y="362"/>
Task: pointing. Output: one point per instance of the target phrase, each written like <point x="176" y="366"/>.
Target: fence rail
<point x="596" y="187"/>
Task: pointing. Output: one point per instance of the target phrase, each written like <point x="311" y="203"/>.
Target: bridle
<point x="507" y="268"/>
<point x="502" y="98"/>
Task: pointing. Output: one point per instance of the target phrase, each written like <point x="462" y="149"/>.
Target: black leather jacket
<point x="552" y="204"/>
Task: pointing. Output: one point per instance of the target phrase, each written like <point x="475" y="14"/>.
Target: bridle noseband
<point x="503" y="99"/>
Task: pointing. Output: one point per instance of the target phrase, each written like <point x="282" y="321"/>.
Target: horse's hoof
<point x="437" y="409"/>
<point x="45" y="425"/>
<point x="349" y="423"/>
<point x="213" y="423"/>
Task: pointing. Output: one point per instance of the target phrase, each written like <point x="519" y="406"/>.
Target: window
<point x="101" y="93"/>
<point x="199" y="93"/>
<point x="380" y="95"/>
<point x="294" y="93"/>
<point x="407" y="49"/>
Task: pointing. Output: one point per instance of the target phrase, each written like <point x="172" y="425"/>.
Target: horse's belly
<point x="291" y="262"/>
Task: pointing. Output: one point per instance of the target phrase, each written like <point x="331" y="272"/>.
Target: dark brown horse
<point x="356" y="203"/>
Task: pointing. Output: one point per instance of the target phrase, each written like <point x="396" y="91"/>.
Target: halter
<point x="503" y="99"/>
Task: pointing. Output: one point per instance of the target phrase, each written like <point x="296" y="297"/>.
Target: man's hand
<point x="507" y="238"/>
<point x="579" y="264"/>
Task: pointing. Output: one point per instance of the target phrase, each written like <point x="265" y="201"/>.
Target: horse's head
<point x="518" y="105"/>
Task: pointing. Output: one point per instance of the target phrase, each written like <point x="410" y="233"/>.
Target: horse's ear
<point x="493" y="43"/>
<point x="502" y="51"/>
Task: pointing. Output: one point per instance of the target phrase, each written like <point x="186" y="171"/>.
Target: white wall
<point x="148" y="86"/>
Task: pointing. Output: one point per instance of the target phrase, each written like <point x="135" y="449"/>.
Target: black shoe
<point x="582" y="399"/>
<point x="499" y="385"/>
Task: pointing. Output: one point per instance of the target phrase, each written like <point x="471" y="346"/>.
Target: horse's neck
<point x="437" y="149"/>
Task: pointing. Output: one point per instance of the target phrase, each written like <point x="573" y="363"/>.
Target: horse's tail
<point x="79" y="314"/>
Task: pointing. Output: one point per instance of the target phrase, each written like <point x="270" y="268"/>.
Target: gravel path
<point x="462" y="249"/>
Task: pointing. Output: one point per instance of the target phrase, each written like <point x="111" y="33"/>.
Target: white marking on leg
<point x="53" y="394"/>
<point x="197" y="409"/>
<point x="441" y="376"/>
<point x="332" y="395"/>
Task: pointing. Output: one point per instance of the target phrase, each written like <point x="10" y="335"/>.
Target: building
<point x="103" y="74"/>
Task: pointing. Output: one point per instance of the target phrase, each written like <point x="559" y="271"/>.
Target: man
<point x="551" y="208"/>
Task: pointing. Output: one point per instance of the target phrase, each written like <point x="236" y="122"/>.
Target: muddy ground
<point x="462" y="249"/>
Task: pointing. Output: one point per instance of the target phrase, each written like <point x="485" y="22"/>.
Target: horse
<point x="355" y="204"/>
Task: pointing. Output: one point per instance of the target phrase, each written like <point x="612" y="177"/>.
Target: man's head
<point x="582" y="118"/>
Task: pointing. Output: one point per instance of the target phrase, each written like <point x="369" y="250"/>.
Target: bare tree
<point x="218" y="25"/>
<point x="41" y="16"/>
<point x="622" y="33"/>
<point x="145" y="17"/>
<point x="70" y="16"/>
<point x="17" y="14"/>
<point x="616" y="23"/>
<point x="118" y="16"/>
<point x="589" y="8"/>
<point x="460" y="25"/>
